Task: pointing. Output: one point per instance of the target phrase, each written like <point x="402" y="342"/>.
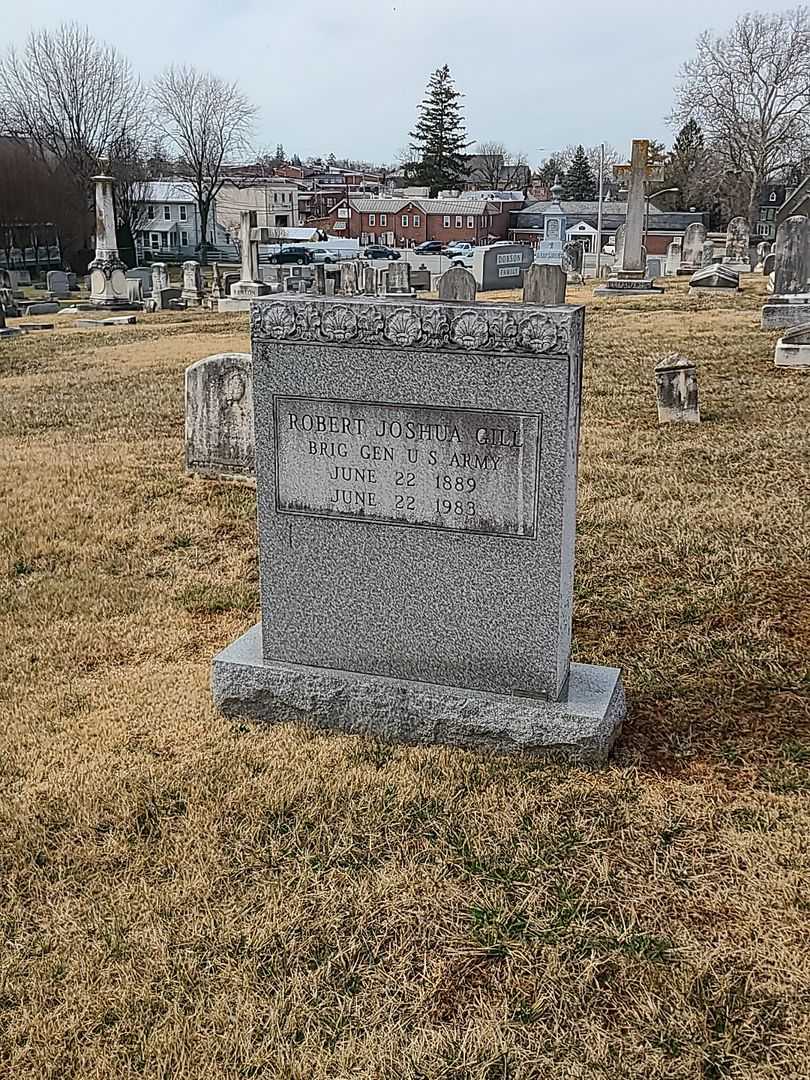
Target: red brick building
<point x="402" y="222"/>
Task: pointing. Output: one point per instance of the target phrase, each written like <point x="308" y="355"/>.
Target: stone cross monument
<point x="108" y="283"/>
<point x="630" y="274"/>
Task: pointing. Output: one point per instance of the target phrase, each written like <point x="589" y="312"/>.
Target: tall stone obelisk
<point x="108" y="283"/>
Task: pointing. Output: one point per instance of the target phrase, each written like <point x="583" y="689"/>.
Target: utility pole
<point x="599" y="210"/>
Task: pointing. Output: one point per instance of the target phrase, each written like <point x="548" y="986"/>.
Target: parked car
<point x="322" y="255"/>
<point x="459" y="247"/>
<point x="461" y="258"/>
<point x="292" y="254"/>
<point x="380" y="251"/>
<point x="429" y="247"/>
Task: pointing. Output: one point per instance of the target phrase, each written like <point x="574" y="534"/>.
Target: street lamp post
<point x="654" y="195"/>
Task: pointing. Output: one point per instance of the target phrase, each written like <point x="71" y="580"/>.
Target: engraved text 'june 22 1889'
<point x="427" y="466"/>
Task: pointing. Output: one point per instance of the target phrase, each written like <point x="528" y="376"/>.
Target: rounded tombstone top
<point x="673" y="362"/>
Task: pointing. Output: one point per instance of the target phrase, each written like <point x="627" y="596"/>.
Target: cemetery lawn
<point x="184" y="896"/>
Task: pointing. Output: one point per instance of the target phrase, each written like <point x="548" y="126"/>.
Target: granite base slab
<point x="776" y="316"/>
<point x="635" y="288"/>
<point x="227" y="304"/>
<point x="582" y="725"/>
<point x="791" y="356"/>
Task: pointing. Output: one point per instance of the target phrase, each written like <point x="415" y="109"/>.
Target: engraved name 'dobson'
<point x="426" y="466"/>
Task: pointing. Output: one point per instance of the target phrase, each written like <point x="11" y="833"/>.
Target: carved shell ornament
<point x="432" y="326"/>
<point x="538" y="334"/>
<point x="339" y="324"/>
<point x="470" y="331"/>
<point x="403" y="328"/>
<point x="278" y="321"/>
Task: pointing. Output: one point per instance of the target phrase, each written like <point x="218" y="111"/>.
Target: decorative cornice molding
<point x="456" y="328"/>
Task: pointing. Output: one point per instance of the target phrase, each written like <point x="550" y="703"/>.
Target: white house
<point x="171" y="227"/>
<point x="272" y="202"/>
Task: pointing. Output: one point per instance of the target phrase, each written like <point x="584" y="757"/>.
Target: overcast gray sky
<point x="345" y="76"/>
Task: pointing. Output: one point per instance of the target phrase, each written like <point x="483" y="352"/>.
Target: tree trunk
<point x="753" y="204"/>
<point x="204" y="237"/>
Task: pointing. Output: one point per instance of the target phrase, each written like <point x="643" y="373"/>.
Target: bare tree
<point x="750" y="92"/>
<point x="499" y="169"/>
<point x="207" y="120"/>
<point x="70" y="97"/>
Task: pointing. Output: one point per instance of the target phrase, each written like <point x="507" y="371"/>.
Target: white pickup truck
<point x="460" y="254"/>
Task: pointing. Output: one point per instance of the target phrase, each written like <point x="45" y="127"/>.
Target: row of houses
<point x="171" y="225"/>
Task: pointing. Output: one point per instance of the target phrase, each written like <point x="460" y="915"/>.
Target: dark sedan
<point x="291" y="255"/>
<point x="379" y="251"/>
<point x="430" y="247"/>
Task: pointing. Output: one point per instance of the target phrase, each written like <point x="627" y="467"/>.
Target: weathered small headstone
<point x="457" y="283"/>
<point x="415" y="466"/>
<point x="763" y="249"/>
<point x="192" y="283"/>
<point x="6" y="331"/>
<point x="398" y="279"/>
<point x="692" y="250"/>
<point x="792" y="262"/>
<point x="9" y="303"/>
<point x="216" y="282"/>
<point x="793" y="347"/>
<point x="329" y="288"/>
<point x="544" y="284"/>
<point x="618" y="245"/>
<point x="45" y="308"/>
<point x="738" y="236"/>
<point x="114" y="320"/>
<point x="370" y="280"/>
<point x="707" y="257"/>
<point x="320" y="279"/>
<point x="57" y="283"/>
<point x="348" y="278"/>
<point x="144" y="274"/>
<point x="420" y="279"/>
<point x="715" y="278"/>
<point x="676" y="388"/>
<point x="573" y="259"/>
<point x="219" y="417"/>
<point x="673" y="258"/>
<point x="767" y="263"/>
<point x="166" y="297"/>
<point x="228" y="282"/>
<point x="134" y="290"/>
<point x="160" y="277"/>
<point x="790" y="303"/>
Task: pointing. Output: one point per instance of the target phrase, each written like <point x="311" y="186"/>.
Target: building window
<point x="446" y="221"/>
<point x="372" y="219"/>
<point x="773" y="196"/>
<point x="155" y="240"/>
<point x="184" y="239"/>
<point x="383" y="219"/>
<point x="183" y="213"/>
<point x="151" y="211"/>
<point x="164" y="237"/>
<point x="470" y="221"/>
<point x="459" y="221"/>
<point x="167" y="213"/>
<point x="404" y="221"/>
<point x="417" y="221"/>
<point x="763" y="229"/>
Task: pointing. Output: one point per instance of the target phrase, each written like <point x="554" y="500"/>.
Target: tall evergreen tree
<point x="550" y="171"/>
<point x="685" y="166"/>
<point x="439" y="139"/>
<point x="580" y="184"/>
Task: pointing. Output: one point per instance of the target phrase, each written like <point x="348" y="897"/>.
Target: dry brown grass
<point x="183" y="896"/>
